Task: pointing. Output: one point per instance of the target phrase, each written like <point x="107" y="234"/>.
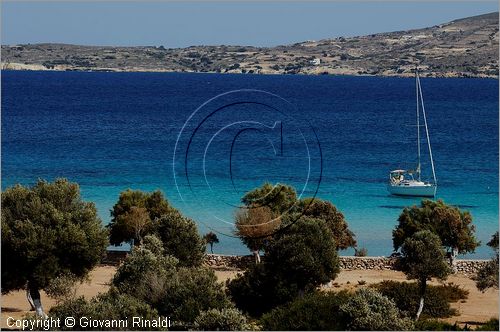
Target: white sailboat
<point x="408" y="182"/>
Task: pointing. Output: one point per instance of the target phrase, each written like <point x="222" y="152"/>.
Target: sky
<point x="186" y="23"/>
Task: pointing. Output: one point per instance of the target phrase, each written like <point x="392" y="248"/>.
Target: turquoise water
<point x="113" y="131"/>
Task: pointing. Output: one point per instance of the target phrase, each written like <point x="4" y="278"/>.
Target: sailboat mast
<point x="418" y="125"/>
<point x="426" y="131"/>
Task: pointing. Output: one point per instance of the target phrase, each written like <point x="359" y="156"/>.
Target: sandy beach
<point x="479" y="307"/>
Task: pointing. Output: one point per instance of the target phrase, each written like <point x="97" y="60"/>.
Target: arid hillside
<point x="462" y="48"/>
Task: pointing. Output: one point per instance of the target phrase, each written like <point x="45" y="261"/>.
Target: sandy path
<point x="479" y="307"/>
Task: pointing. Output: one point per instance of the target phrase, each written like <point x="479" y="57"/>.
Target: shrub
<point x="221" y="320"/>
<point x="62" y="287"/>
<point x="318" y="311"/>
<point x="437" y="298"/>
<point x="178" y="292"/>
<point x="436" y="325"/>
<point x="491" y="325"/>
<point x="190" y="291"/>
<point x="370" y="310"/>
<point x="106" y="307"/>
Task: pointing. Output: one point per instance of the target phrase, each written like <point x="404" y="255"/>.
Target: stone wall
<point x="228" y="261"/>
<point x="464" y="266"/>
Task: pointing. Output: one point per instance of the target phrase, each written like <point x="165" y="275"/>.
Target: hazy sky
<point x="180" y="24"/>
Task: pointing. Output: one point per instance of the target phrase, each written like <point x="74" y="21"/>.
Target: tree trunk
<point x="34" y="294"/>
<point x="257" y="256"/>
<point x="423" y="286"/>
<point x="30" y="300"/>
<point x="212" y="248"/>
<point x="453" y="262"/>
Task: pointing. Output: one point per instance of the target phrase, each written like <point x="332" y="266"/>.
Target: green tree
<point x="423" y="258"/>
<point x="279" y="198"/>
<point x="211" y="238"/>
<point x="137" y="214"/>
<point x="487" y="276"/>
<point x="48" y="231"/>
<point x="180" y="238"/>
<point x="122" y="225"/>
<point x="299" y="259"/>
<point x="324" y="210"/>
<point x="368" y="310"/>
<point x="453" y="226"/>
<point x="304" y="254"/>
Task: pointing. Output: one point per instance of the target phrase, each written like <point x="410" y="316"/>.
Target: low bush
<point x="318" y="311"/>
<point x="369" y="310"/>
<point x="437" y="298"/>
<point x="437" y="325"/>
<point x="104" y="307"/>
<point x="491" y="325"/>
<point x="221" y="320"/>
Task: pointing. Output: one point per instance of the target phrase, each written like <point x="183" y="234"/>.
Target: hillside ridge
<point x="466" y="47"/>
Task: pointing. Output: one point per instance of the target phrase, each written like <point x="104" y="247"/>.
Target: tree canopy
<point x="279" y="198"/>
<point x="122" y="223"/>
<point x="271" y="209"/>
<point x="48" y="231"/>
<point x="137" y="214"/>
<point x="453" y="226"/>
<point x="324" y="210"/>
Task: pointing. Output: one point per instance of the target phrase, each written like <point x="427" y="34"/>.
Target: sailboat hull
<point x="426" y="190"/>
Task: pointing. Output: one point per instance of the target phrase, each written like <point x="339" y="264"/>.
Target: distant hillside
<point x="462" y="48"/>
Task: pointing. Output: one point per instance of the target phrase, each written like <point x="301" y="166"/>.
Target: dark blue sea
<point x="206" y="139"/>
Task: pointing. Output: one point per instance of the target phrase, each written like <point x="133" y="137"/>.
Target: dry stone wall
<point x="464" y="266"/>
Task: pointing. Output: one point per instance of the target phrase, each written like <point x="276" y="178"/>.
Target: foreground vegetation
<point x="51" y="239"/>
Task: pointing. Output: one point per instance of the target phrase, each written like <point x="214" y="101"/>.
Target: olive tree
<point x="453" y="226"/>
<point x="487" y="276"/>
<point x="268" y="209"/>
<point x="300" y="258"/>
<point x="128" y="220"/>
<point x="137" y="214"/>
<point x="279" y="198"/>
<point x="324" y="210"/>
<point x="180" y="238"/>
<point x="423" y="258"/>
<point x="48" y="231"/>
